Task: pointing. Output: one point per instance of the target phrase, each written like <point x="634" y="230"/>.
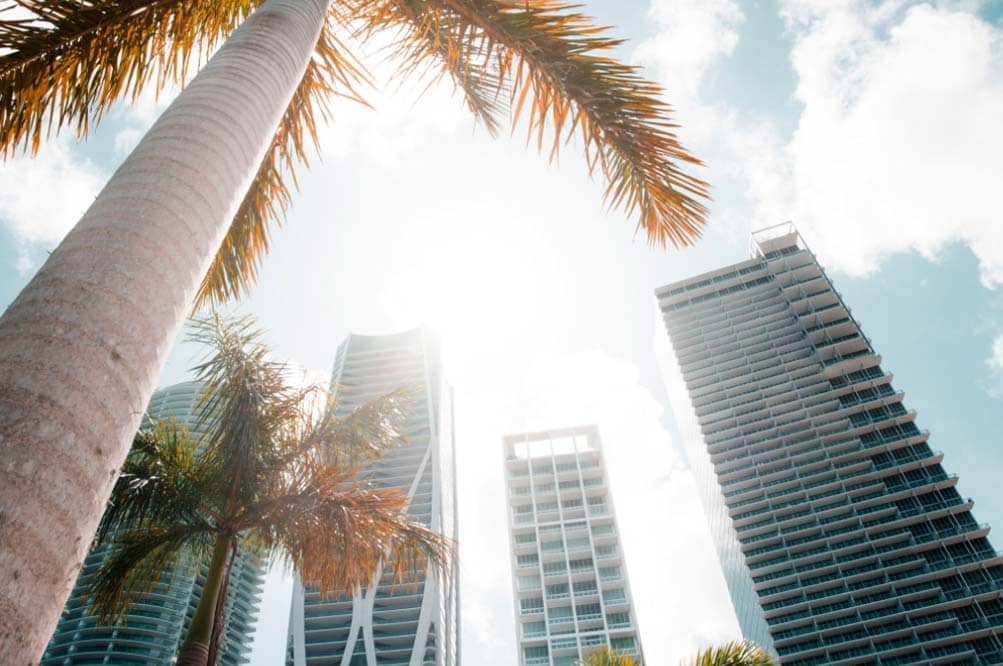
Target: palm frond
<point x="66" y="68"/>
<point x="737" y="653"/>
<point x="604" y="656"/>
<point x="135" y="563"/>
<point x="247" y="402"/>
<point x="338" y="533"/>
<point x="553" y="61"/>
<point x="368" y="432"/>
<point x="424" y="43"/>
<point x="332" y="73"/>
<point x="160" y="483"/>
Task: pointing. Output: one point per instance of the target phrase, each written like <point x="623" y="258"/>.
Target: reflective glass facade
<point x="155" y="626"/>
<point x="570" y="584"/>
<point x="842" y="538"/>
<point x="388" y="625"/>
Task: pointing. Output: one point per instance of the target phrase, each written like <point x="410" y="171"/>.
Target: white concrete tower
<point x="569" y="580"/>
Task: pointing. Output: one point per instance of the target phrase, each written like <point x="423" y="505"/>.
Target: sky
<point x="872" y="125"/>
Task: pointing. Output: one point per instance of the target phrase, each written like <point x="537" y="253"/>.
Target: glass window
<point x="534" y="629"/>
<point x="530" y="582"/>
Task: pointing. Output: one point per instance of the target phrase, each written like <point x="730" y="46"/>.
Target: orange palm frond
<point x="423" y="39"/>
<point x="80" y="56"/>
<point x="333" y="72"/>
<point x="552" y="60"/>
<point x="337" y="532"/>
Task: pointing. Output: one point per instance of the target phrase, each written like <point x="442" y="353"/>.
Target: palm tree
<point x="185" y="219"/>
<point x="272" y="472"/>
<point x="739" y="653"/>
<point x="605" y="656"/>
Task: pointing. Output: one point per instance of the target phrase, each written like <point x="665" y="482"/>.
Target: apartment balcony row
<point x="801" y="601"/>
<point x="881" y="617"/>
<point x="770" y="338"/>
<point x="717" y="366"/>
<point x="880" y="582"/>
<point x="812" y="448"/>
<point x="769" y="569"/>
<point x="771" y="403"/>
<point x="808" y="302"/>
<point x="518" y="468"/>
<point x="809" y="536"/>
<point x="592" y="483"/>
<point x="787" y="366"/>
<point x="935" y="646"/>
<point x="852" y="465"/>
<point x="791" y="433"/>
<point x="851" y="483"/>
<point x="781" y="372"/>
<point x="727" y="300"/>
<point x="712" y="302"/>
<point x="797" y="426"/>
<point x="770" y="416"/>
<point x="849" y="458"/>
<point x="724" y="343"/>
<point x="818" y="321"/>
<point x="763" y="394"/>
<point x="814" y="583"/>
<point x="707" y="282"/>
<point x="774" y="401"/>
<point x="840" y="547"/>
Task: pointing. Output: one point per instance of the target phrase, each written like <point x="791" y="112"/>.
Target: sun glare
<point x="486" y="296"/>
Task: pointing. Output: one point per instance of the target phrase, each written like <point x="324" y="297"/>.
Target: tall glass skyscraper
<point x="155" y="626"/>
<point x="569" y="580"/>
<point x="842" y="538"/>
<point x="387" y="624"/>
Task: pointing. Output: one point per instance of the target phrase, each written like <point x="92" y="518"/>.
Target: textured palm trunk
<point x="195" y="650"/>
<point x="83" y="344"/>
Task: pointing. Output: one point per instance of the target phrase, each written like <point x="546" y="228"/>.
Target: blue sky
<point x="871" y="125"/>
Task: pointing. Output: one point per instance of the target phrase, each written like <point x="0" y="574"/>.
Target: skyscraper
<point x="386" y="624"/>
<point x="569" y="581"/>
<point x="842" y="538"/>
<point x="155" y="626"/>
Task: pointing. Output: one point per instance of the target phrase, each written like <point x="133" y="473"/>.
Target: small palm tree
<point x="275" y="470"/>
<point x="738" y="653"/>
<point x="605" y="656"/>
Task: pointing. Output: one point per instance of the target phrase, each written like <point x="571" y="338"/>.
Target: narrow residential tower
<point x="569" y="579"/>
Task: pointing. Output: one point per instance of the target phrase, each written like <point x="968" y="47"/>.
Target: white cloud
<point x="898" y="143"/>
<point x="994" y="384"/>
<point x="42" y="197"/>
<point x="692" y="36"/>
<point x="996" y="360"/>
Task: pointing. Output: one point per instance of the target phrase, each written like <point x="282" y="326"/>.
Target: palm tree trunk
<point x="83" y="344"/>
<point x="195" y="650"/>
<point x="219" y="613"/>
